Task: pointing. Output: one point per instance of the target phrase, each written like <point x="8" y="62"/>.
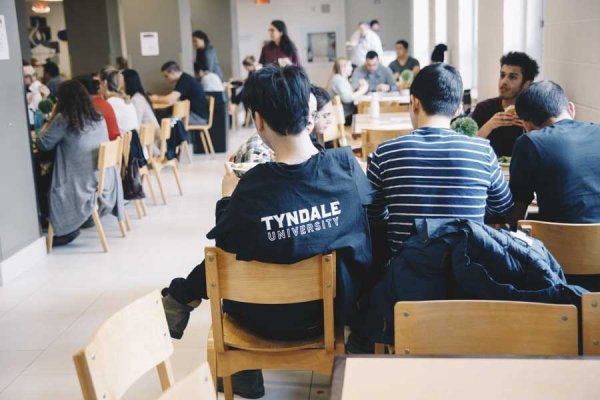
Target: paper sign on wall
<point x="4" y="55"/>
<point x="149" y="43"/>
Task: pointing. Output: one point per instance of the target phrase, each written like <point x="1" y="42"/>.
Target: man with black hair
<point x="186" y="88"/>
<point x="375" y="25"/>
<point x="378" y="77"/>
<point x="558" y="158"/>
<point x="308" y="202"/>
<point x="435" y="172"/>
<point x="496" y="117"/>
<point x="403" y="60"/>
<point x="52" y="78"/>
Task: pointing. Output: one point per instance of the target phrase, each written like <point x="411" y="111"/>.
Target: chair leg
<point x="50" y="238"/>
<point x="127" y="223"/>
<point x="143" y="207"/>
<point x="379" y="348"/>
<point x="160" y="186"/>
<point x="176" y="173"/>
<point x="228" y="387"/>
<point x="151" y="189"/>
<point x="211" y="356"/>
<point x="123" y="228"/>
<point x="138" y="209"/>
<point x="209" y="141"/>
<point x="203" y="139"/>
<point x="188" y="153"/>
<point x="100" y="230"/>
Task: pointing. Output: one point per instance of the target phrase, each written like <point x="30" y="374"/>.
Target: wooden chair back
<point x="126" y="346"/>
<point x="127" y="137"/>
<point x="485" y="328"/>
<point x="263" y="283"/>
<point x="110" y="154"/>
<point x="147" y="136"/>
<point x="211" y="111"/>
<point x="371" y="138"/>
<point x="392" y="107"/>
<point x="181" y="110"/>
<point x="575" y="246"/>
<point x="165" y="134"/>
<point x="197" y="385"/>
<point x="590" y="316"/>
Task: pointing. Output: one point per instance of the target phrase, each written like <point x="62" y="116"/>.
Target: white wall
<point x="490" y="46"/>
<point x="301" y="17"/>
<point x="571" y="57"/>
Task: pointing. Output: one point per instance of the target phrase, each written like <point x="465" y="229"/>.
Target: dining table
<point x="465" y="377"/>
<point x="398" y="97"/>
<point x="385" y="121"/>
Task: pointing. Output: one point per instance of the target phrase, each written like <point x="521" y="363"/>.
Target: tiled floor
<point x="51" y="311"/>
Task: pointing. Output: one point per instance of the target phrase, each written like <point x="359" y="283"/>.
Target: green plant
<point x="466" y="126"/>
<point x="46" y="106"/>
<point x="406" y="75"/>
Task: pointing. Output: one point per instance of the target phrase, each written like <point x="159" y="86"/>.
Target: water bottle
<point x="374" y="108"/>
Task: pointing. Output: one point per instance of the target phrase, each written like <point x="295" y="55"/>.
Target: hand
<point x="362" y="83"/>
<point x="284" y="62"/>
<point x="230" y="181"/>
<point x="44" y="91"/>
<point x="503" y="119"/>
<point x="383" y="87"/>
<point x="153" y="98"/>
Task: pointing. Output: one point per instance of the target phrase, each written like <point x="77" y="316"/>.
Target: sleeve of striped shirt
<point x="378" y="209"/>
<point x="499" y="201"/>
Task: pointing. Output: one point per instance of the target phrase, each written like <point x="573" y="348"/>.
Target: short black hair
<point x="170" y="66"/>
<point x="90" y="84"/>
<point x="321" y="95"/>
<point x="541" y="101"/>
<point x="201" y="35"/>
<point x="403" y="42"/>
<point x="529" y="67"/>
<point x="280" y="96"/>
<point x="51" y="69"/>
<point x="373" y="22"/>
<point x="439" y="88"/>
<point x="372" y="54"/>
<point x="198" y="66"/>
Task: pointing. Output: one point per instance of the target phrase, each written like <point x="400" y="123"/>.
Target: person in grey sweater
<point x="76" y="131"/>
<point x="379" y="77"/>
<point x="206" y="56"/>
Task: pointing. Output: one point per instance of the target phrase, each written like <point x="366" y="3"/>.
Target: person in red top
<point x="102" y="105"/>
<point x="280" y="50"/>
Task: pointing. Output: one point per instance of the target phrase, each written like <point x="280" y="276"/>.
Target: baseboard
<point x="22" y="260"/>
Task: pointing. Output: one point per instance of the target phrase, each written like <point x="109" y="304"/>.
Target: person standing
<point x="280" y="50"/>
<point x="206" y="56"/>
<point x="362" y="41"/>
<point x="495" y="117"/>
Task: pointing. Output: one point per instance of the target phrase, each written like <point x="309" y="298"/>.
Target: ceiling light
<point x="40" y="7"/>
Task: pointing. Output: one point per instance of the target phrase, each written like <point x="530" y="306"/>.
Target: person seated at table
<point x="438" y="54"/>
<point x="206" y="55"/>
<point x="378" y="77"/>
<point x="324" y="114"/>
<point x="93" y="86"/>
<point x="496" y="117"/>
<point x="339" y="85"/>
<point x="75" y="131"/>
<point x="404" y="62"/>
<point x="433" y="171"/>
<point x="35" y="91"/>
<point x="209" y="80"/>
<point x="121" y="63"/>
<point x="186" y="88"/>
<point x="112" y="90"/>
<point x="558" y="159"/>
<point x="249" y="218"/>
<point x="250" y="65"/>
<point x="52" y="78"/>
<point x="143" y="107"/>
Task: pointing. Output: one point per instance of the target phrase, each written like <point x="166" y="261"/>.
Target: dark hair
<point x="133" y="84"/>
<point x="403" y="42"/>
<point x="75" y="105"/>
<point x="373" y="22"/>
<point x="122" y="62"/>
<point x="280" y="96"/>
<point x="201" y="35"/>
<point x="321" y="95"/>
<point x="170" y="66"/>
<point x="541" y="101"/>
<point x="248" y="60"/>
<point x="438" y="53"/>
<point x="51" y="69"/>
<point x="372" y="54"/>
<point x="529" y="67"/>
<point x="201" y="53"/>
<point x="286" y="43"/>
<point x="89" y="83"/>
<point x="439" y="88"/>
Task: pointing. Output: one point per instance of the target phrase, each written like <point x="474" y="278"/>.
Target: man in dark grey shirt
<point x="404" y="61"/>
<point x="379" y="77"/>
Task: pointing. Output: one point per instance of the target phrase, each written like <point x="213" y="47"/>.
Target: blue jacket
<point x="461" y="259"/>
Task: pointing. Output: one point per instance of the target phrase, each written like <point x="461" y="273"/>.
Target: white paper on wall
<point x="149" y="43"/>
<point x="4" y="54"/>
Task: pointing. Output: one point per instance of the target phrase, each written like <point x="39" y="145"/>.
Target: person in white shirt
<point x="363" y="40"/>
<point x="210" y="81"/>
<point x="111" y="84"/>
<point x="135" y="90"/>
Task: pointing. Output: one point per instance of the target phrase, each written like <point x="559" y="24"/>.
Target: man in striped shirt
<point x="435" y="172"/>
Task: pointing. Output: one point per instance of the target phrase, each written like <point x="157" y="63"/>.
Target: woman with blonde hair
<point x="111" y="83"/>
<point x="339" y="85"/>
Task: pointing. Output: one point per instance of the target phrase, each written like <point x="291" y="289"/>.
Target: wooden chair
<point x="576" y="247"/>
<point x="181" y="110"/>
<point x="157" y="164"/>
<point x="590" y="316"/>
<point x="140" y="205"/>
<point x="197" y="385"/>
<point x="232" y="108"/>
<point x="207" y="143"/>
<point x="126" y="346"/>
<point x="110" y="155"/>
<point x="385" y="106"/>
<point x="473" y="327"/>
<point x="232" y="348"/>
<point x="147" y="141"/>
<point x="371" y="138"/>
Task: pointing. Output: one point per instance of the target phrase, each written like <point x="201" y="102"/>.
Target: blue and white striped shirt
<point x="435" y="173"/>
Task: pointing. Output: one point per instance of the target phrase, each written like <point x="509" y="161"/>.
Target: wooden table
<point x="495" y="378"/>
<point x="389" y="121"/>
<point x="390" y="96"/>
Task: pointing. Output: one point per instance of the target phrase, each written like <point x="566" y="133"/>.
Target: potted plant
<point x="466" y="126"/>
